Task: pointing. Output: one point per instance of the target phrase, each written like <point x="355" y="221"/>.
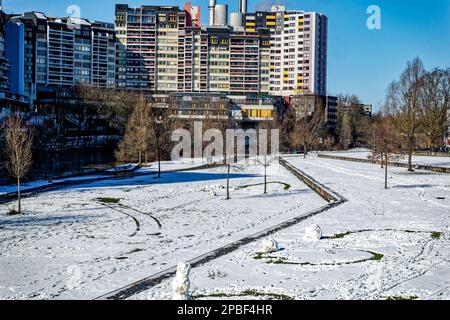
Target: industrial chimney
<point x="212" y="6"/>
<point x="221" y="15"/>
<point x="236" y="20"/>
<point x="242" y="6"/>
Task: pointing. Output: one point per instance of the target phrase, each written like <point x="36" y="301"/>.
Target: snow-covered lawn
<point x="379" y="244"/>
<point x="150" y="168"/>
<point x="86" y="240"/>
<point x="361" y="153"/>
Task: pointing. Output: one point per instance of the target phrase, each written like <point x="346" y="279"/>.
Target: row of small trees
<point x="305" y="130"/>
<point x="148" y="130"/>
<point x="416" y="113"/>
<point x="416" y="109"/>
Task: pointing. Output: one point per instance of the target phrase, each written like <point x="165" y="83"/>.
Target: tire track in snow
<point x="136" y="221"/>
<point x="144" y="213"/>
<point x="145" y="284"/>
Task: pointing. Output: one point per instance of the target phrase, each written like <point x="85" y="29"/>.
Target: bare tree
<point x="435" y="101"/>
<point x="403" y="102"/>
<point x="18" y="139"/>
<point x="308" y="129"/>
<point x="328" y="143"/>
<point x="115" y="105"/>
<point x="346" y="131"/>
<point x="134" y="143"/>
<point x="352" y="121"/>
<point x="286" y="128"/>
<point x="385" y="143"/>
<point x="162" y="121"/>
<point x="46" y="136"/>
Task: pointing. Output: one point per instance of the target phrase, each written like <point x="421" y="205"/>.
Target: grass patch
<point x="246" y="293"/>
<point x="397" y="298"/>
<point x="259" y="256"/>
<point x="341" y="235"/>
<point x="109" y="200"/>
<point x="436" y="235"/>
<point x="375" y="256"/>
<point x="286" y="186"/>
<point x="344" y="234"/>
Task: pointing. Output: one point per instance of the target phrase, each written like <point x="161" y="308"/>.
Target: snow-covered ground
<point x="361" y="153"/>
<point x="379" y="244"/>
<point x="151" y="167"/>
<point x="86" y="240"/>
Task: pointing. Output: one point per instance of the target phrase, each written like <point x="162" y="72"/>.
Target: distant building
<point x="194" y="15"/>
<point x="9" y="99"/>
<point x="356" y="109"/>
<point x="163" y="50"/>
<point x="15" y="50"/>
<point x="368" y="109"/>
<point x="4" y="63"/>
<point x="247" y="111"/>
<point x="60" y="52"/>
<point x="306" y="105"/>
<point x="298" y="49"/>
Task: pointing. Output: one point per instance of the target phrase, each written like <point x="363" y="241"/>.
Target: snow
<point x="378" y="245"/>
<point x="155" y="224"/>
<point x="312" y="233"/>
<point x="181" y="283"/>
<point x="269" y="246"/>
<point x="150" y="168"/>
<point x="78" y="243"/>
<point x="362" y="153"/>
<point x="41" y="183"/>
<point x="29" y="185"/>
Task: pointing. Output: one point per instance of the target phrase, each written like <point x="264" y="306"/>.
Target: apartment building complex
<point x="63" y="52"/>
<point x="160" y="50"/>
<point x="298" y="49"/>
<point x="4" y="63"/>
<point x="278" y="53"/>
<point x="166" y="50"/>
<point x="11" y="66"/>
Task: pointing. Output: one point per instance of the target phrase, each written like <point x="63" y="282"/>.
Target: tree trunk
<point x="159" y="161"/>
<point x="410" y="152"/>
<point x="265" y="177"/>
<point x="304" y="150"/>
<point x="386" y="173"/>
<point x="45" y="164"/>
<point x="18" y="196"/>
<point x="228" y="183"/>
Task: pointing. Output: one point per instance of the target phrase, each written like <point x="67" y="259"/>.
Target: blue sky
<point x="361" y="61"/>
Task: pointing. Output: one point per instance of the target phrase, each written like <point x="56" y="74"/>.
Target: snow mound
<point x="312" y="233"/>
<point x="213" y="193"/>
<point x="269" y="245"/>
<point x="181" y="283"/>
<point x="213" y="187"/>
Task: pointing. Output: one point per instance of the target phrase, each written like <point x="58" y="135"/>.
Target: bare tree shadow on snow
<point x="45" y="221"/>
<point x="167" y="178"/>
